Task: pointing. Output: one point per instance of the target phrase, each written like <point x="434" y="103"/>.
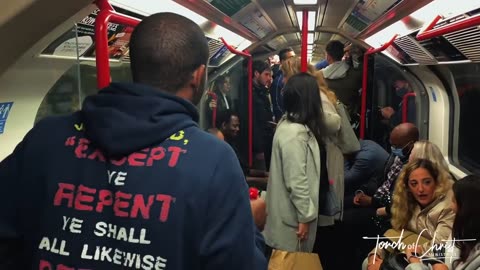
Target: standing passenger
<point x="262" y="115"/>
<point x="295" y="180"/>
<point x="277" y="85"/>
<point x="341" y="78"/>
<point x="130" y="181"/>
<point x="223" y="103"/>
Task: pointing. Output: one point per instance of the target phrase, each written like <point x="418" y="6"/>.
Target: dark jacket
<point x="128" y="182"/>
<point x="396" y="118"/>
<point x="221" y="106"/>
<point x="347" y="89"/>
<point x="368" y="163"/>
<point x="276" y="93"/>
<point x="262" y="114"/>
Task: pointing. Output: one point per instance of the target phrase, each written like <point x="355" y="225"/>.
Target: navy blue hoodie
<point x="128" y="182"/>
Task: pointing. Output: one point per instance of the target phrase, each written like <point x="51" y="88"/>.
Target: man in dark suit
<point x="223" y="101"/>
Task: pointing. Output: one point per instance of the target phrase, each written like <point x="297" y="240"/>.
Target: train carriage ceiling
<point x="274" y="23"/>
<point x="262" y="26"/>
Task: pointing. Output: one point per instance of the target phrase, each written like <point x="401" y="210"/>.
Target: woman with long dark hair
<point x="294" y="184"/>
<point x="466" y="204"/>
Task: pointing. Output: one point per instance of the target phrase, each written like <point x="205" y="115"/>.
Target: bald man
<point x="373" y="200"/>
<point x="131" y="181"/>
<point x="402" y="139"/>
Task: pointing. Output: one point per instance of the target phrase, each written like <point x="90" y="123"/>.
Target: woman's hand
<point x="439" y="266"/>
<point x="374" y="261"/>
<point x="381" y="211"/>
<point x="413" y="253"/>
<point x="302" y="232"/>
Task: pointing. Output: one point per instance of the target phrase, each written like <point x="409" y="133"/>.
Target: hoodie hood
<point x="336" y="70"/>
<point x="127" y="117"/>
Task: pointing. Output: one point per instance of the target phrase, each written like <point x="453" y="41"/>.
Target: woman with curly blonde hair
<point x="422" y="200"/>
<point x="425" y="150"/>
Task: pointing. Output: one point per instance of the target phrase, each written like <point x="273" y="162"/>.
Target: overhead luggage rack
<point x="466" y="41"/>
<point x="415" y="50"/>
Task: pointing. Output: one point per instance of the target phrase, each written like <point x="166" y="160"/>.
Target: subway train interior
<point x="56" y="53"/>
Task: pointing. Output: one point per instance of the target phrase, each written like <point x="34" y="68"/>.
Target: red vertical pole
<point x="104" y="5"/>
<point x="101" y="48"/>
<point x="304" y="40"/>
<point x="405" y="106"/>
<point x="250" y="111"/>
<point x="363" y="110"/>
<point x="245" y="53"/>
<point x="106" y="15"/>
<point x="363" y="107"/>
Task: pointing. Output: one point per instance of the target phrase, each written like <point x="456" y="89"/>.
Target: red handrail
<point x="250" y="97"/>
<point x="405" y="105"/>
<point x="428" y="32"/>
<point x="104" y="5"/>
<point x="214" y="110"/>
<point x="304" y="40"/>
<point x="106" y="15"/>
<point x="363" y="112"/>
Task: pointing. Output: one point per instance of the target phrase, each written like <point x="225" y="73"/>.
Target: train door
<point x="394" y="96"/>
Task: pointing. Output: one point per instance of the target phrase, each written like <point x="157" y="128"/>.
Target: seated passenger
<point x="424" y="150"/>
<point x="402" y="139"/>
<point x="422" y="200"/>
<point x="465" y="255"/>
<point x="394" y="117"/>
<point x="229" y="124"/>
<point x="361" y="166"/>
<point x="422" y="204"/>
<point x="362" y="169"/>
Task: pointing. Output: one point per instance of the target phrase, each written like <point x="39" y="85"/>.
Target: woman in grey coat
<point x="294" y="182"/>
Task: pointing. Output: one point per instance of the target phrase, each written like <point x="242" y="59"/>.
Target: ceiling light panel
<point x="312" y="19"/>
<point x="305" y="2"/>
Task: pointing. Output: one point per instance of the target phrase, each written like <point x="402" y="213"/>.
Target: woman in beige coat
<point x="294" y="182"/>
<point x="422" y="201"/>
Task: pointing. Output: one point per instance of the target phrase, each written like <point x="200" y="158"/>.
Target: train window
<point x="390" y="89"/>
<point x="78" y="82"/>
<point x="229" y="84"/>
<point x="467" y="83"/>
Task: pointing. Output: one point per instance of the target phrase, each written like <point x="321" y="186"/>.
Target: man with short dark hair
<point x="229" y="123"/>
<point x="130" y="181"/>
<point x="342" y="79"/>
<point x="277" y="84"/>
<point x="262" y="116"/>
